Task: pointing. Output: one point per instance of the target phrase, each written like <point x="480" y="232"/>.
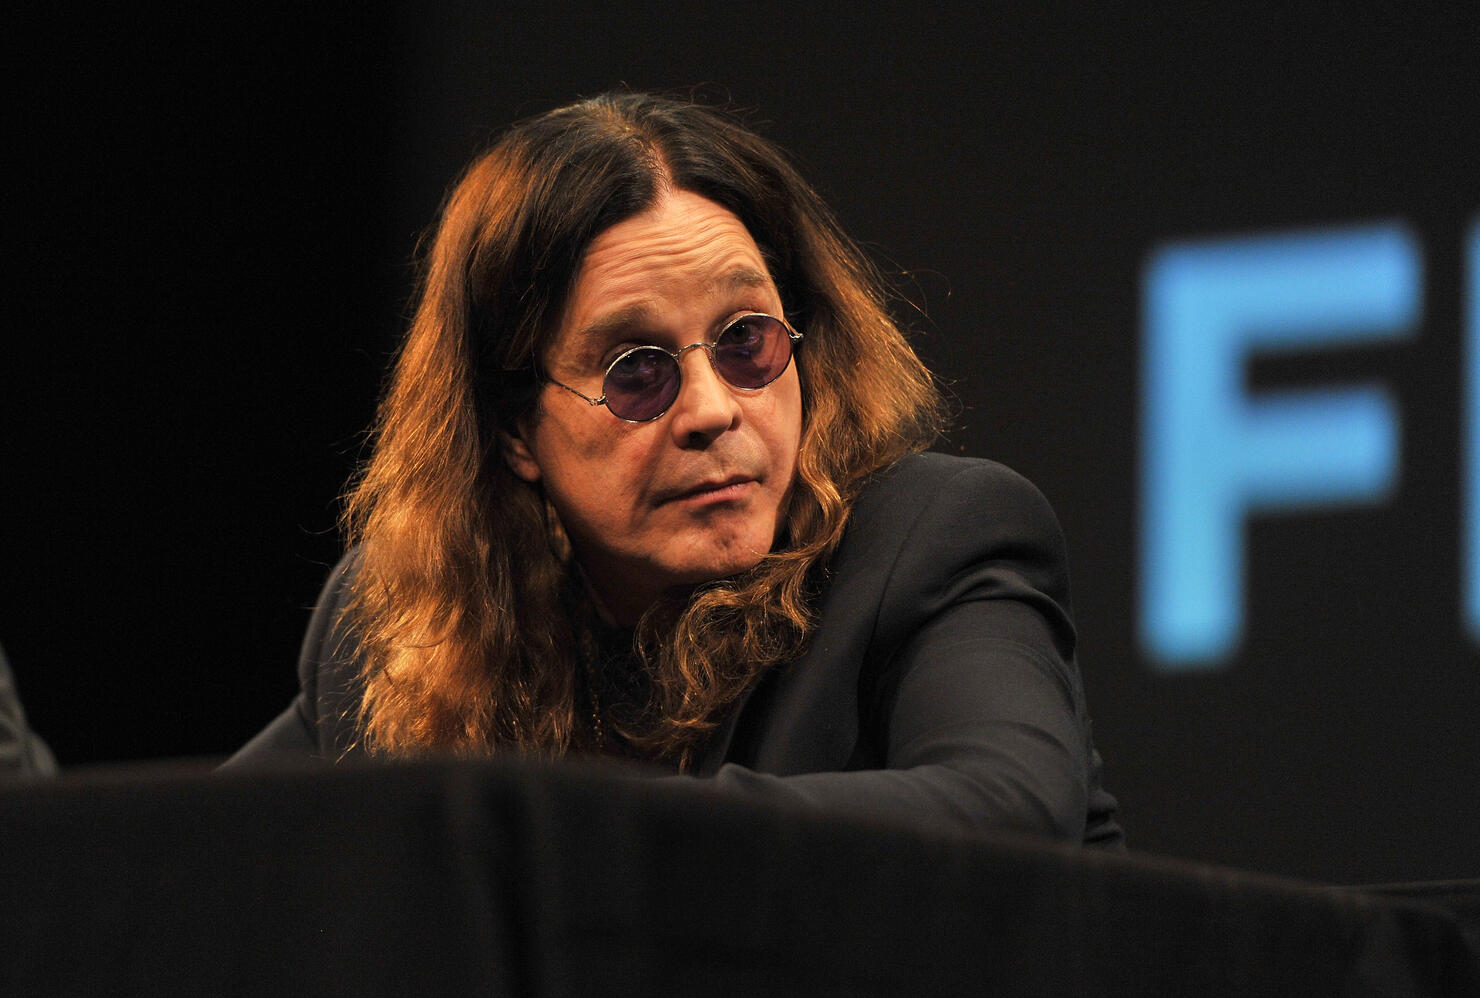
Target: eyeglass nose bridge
<point x="678" y="355"/>
<point x="678" y="375"/>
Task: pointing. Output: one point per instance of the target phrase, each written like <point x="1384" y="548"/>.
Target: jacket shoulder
<point x="940" y="517"/>
<point x="948" y="485"/>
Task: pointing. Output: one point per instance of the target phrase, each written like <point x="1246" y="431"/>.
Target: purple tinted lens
<point x="752" y="351"/>
<point x="642" y="384"/>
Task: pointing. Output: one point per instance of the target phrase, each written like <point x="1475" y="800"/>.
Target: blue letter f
<point x="1213" y="453"/>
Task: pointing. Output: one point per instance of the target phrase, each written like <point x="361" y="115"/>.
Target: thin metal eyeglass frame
<point x="793" y="338"/>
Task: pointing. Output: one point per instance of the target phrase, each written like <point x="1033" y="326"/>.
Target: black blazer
<point x="940" y="687"/>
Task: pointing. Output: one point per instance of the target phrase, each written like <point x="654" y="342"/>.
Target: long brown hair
<point x="472" y="626"/>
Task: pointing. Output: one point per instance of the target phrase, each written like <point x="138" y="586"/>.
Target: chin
<point x="722" y="564"/>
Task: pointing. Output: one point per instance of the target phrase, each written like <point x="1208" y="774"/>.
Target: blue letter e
<point x="1213" y="453"/>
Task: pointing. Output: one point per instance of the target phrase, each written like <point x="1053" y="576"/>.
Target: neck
<point x="623" y="606"/>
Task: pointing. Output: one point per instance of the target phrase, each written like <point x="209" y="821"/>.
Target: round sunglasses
<point x="750" y="352"/>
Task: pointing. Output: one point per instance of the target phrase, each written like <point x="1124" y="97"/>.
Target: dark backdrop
<point x="210" y="227"/>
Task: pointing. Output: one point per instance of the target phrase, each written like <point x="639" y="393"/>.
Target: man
<point x="642" y="485"/>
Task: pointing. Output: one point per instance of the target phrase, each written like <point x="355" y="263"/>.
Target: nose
<point x="705" y="406"/>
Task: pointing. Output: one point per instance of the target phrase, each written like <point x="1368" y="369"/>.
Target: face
<point x="698" y="493"/>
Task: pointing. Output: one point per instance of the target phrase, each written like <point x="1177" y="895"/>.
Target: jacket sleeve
<point x="298" y="732"/>
<point x="969" y="692"/>
<point x="23" y="755"/>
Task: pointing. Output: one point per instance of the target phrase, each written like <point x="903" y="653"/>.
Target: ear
<point x="519" y="457"/>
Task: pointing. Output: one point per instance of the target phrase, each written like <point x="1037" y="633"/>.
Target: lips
<point x="717" y="488"/>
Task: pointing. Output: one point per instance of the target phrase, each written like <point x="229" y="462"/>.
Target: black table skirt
<point x="515" y="879"/>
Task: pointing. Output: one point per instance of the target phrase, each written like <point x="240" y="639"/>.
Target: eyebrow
<point x="739" y="279"/>
<point x="742" y="278"/>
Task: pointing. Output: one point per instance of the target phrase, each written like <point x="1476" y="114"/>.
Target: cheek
<point x="592" y="474"/>
<point x="786" y="422"/>
<point x="568" y="444"/>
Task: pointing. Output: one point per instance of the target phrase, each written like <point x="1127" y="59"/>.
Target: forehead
<point x="684" y="251"/>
